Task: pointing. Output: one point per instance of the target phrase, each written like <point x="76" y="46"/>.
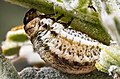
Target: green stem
<point x="85" y="23"/>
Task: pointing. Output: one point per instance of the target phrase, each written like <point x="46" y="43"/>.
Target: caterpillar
<point x="67" y="50"/>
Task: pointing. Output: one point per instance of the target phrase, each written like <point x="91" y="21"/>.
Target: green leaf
<point x="11" y="51"/>
<point x="18" y="38"/>
<point x="59" y="0"/>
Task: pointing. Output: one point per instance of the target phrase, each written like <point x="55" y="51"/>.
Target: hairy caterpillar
<point x="65" y="49"/>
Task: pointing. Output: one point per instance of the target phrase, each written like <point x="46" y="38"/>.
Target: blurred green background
<point x="10" y="16"/>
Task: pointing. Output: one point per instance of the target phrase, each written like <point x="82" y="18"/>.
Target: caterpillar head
<point x="34" y="23"/>
<point x="32" y="27"/>
<point x="30" y="15"/>
<point x="31" y="22"/>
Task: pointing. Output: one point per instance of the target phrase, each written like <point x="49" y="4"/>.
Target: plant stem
<point x="85" y="23"/>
